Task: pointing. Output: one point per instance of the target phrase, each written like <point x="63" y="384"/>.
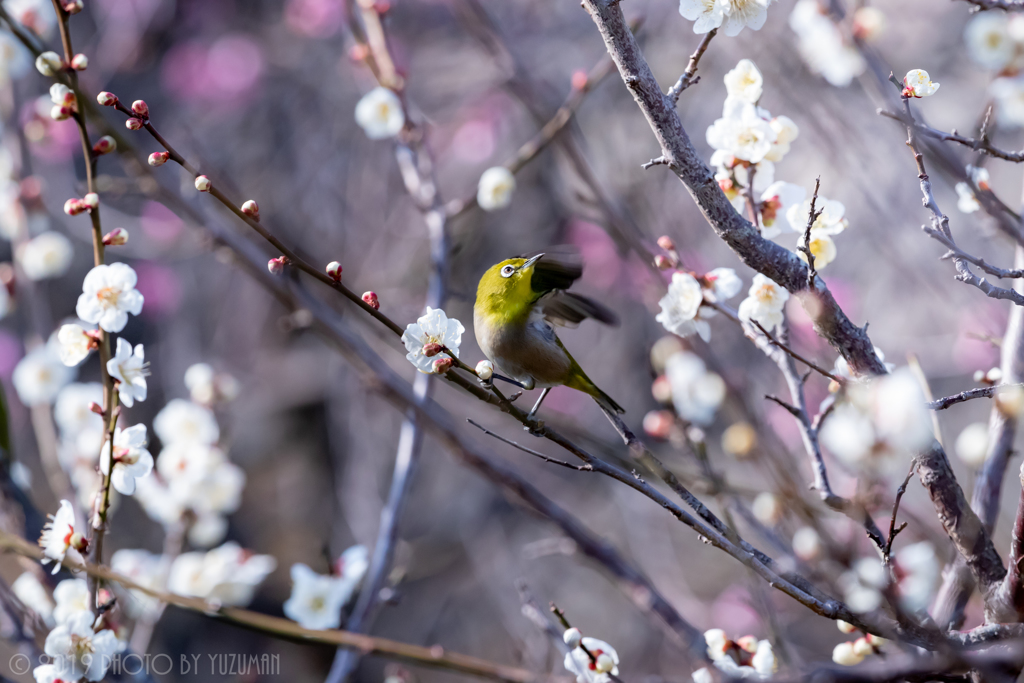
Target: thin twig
<point x="980" y="392"/>
<point x="553" y="461"/>
<point x="689" y="76"/>
<point x="805" y="246"/>
<point x="893" y="529"/>
<point x="813" y="366"/>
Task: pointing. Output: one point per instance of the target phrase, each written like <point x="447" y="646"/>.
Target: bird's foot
<point x="534" y="425"/>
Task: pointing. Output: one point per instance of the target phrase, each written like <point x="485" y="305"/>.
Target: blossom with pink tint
<point x="221" y="75"/>
<point x="314" y="18"/>
<point x="160" y="223"/>
<point x="161" y="288"/>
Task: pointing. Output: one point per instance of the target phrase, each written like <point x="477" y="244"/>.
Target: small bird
<point x="518" y="303"/>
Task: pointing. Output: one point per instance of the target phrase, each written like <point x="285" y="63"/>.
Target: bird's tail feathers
<point x="606" y="401"/>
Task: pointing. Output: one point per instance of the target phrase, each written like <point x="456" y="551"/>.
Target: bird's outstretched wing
<point x="552" y="275"/>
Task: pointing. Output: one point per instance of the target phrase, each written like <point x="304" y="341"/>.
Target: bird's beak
<point x="531" y="261"/>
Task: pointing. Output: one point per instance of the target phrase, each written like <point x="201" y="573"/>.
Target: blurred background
<point x="260" y="95"/>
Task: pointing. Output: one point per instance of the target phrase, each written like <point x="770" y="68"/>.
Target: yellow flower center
<point x="108" y="296"/>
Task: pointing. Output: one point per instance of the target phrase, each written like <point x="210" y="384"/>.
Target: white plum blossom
<point x="227" y="574"/>
<point x="696" y="392"/>
<point x="145" y="569"/>
<point x="744" y="82"/>
<point x="765" y="303"/>
<point x="680" y="305"/>
<point x="130" y="370"/>
<point x="40" y="375"/>
<point x="732" y="16"/>
<point x="353" y="563"/>
<point x="131" y="459"/>
<point x="71" y="409"/>
<point x="46" y="256"/>
<point x="579" y="663"/>
<point x="806" y="544"/>
<point x="972" y="444"/>
<point x="72" y="596"/>
<point x="767" y="508"/>
<point x="78" y="651"/>
<point x="495" y="189"/>
<point x="862" y="585"/>
<point x="1008" y="92"/>
<point x="108" y="296"/>
<point x="721" y="284"/>
<point x="831" y="221"/>
<point x="966" y="201"/>
<point x="200" y="382"/>
<point x="822" y="248"/>
<point x="786" y="131"/>
<point x="433" y="327"/>
<point x="742" y="132"/>
<point x="379" y="113"/>
<point x="882" y="423"/>
<point x="316" y="600"/>
<point x="776" y="202"/>
<point x="60" y="538"/>
<point x="34" y="596"/>
<point x="988" y="40"/>
<point x="182" y="420"/>
<point x="747" y="657"/>
<point x="74" y="344"/>
<point x="917" y="83"/>
<point x="822" y="45"/>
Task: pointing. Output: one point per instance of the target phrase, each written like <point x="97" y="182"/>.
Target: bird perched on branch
<point x="518" y="304"/>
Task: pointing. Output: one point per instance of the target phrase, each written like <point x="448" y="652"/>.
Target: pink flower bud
<point x="276" y="265"/>
<point x="79" y="62"/>
<point x="140" y="108"/>
<point x="203" y="183"/>
<point x="107" y="99"/>
<point x="666" y="243"/>
<point x="662" y="262"/>
<point x="579" y="79"/>
<point x="116" y="237"/>
<point x="95" y="407"/>
<point x="91" y="200"/>
<point x="371" y="300"/>
<point x="133" y="124"/>
<point x="75" y="206"/>
<point x="104" y="145"/>
<point x="73" y="6"/>
<point x="251" y="209"/>
<point x="334" y="271"/>
<point x="442" y="365"/>
<point x="658" y="423"/>
<point x="78" y="542"/>
<point x="432" y="349"/>
<point x="60" y="113"/>
<point x="159" y="158"/>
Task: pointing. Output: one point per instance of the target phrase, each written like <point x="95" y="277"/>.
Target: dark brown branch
<point x="689" y="76"/>
<point x="893" y="529"/>
<point x="805" y="248"/>
<point x="980" y="392"/>
<point x="536" y="454"/>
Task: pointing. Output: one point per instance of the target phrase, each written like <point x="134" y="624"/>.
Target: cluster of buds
<point x="75" y="206"/>
<point x="64" y="102"/>
<point x="370" y="299"/>
<point x="251" y="209"/>
<point x="441" y="365"/>
<point x="601" y="662"/>
<point x="73" y="6"/>
<point x="159" y="158"/>
<point x="853" y="652"/>
<point x="105" y="145"/>
<point x="334" y="271"/>
<point x="116" y="237"/>
<point x="140" y="111"/>
<point x="203" y="184"/>
<point x="79" y="62"/>
<point x="991" y="378"/>
<point x="662" y="261"/>
<point x="276" y="265"/>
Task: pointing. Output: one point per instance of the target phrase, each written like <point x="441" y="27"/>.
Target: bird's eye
<point x="507" y="271"/>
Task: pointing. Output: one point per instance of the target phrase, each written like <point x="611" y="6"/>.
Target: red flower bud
<point x="104" y="145"/>
<point x="75" y="206"/>
<point x="658" y="423"/>
<point x="276" y="265"/>
<point x="140" y="108"/>
<point x="666" y="243"/>
<point x="73" y="6"/>
<point x="79" y="62"/>
<point x="116" y="237"/>
<point x="107" y="99"/>
<point x="334" y="271"/>
<point x="133" y="124"/>
<point x="96" y="407"/>
<point x="442" y="365"/>
<point x="432" y="349"/>
<point x="60" y="113"/>
<point x="662" y="262"/>
<point x="251" y="209"/>
<point x="159" y="158"/>
<point x="91" y="200"/>
<point x="371" y="300"/>
<point x="203" y="183"/>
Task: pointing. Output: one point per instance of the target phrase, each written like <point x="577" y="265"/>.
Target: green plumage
<point x="518" y="302"/>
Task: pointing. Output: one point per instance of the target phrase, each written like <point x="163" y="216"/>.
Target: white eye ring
<point x="507" y="271"/>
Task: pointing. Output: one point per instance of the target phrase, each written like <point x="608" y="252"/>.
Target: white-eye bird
<point x="518" y="304"/>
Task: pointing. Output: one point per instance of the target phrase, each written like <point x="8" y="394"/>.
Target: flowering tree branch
<point x="433" y="657"/>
